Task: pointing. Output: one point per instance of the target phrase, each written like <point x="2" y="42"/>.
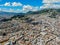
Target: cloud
<point x="11" y="10"/>
<point x="50" y="4"/>
<point x="12" y="4"/>
<point x="0" y="9"/>
<point x="17" y="10"/>
<point x="7" y="4"/>
<point x="16" y="4"/>
<point x="27" y="8"/>
<point x="51" y="1"/>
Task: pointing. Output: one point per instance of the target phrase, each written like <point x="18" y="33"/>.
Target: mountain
<point x="43" y="11"/>
<point x="9" y="14"/>
<point x="5" y="16"/>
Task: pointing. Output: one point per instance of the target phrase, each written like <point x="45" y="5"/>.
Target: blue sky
<point x="27" y="5"/>
<point x="25" y="2"/>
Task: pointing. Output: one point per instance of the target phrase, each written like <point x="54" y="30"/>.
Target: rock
<point x="43" y="33"/>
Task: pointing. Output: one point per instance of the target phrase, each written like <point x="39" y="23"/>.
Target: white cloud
<point x="50" y="4"/>
<point x="12" y="4"/>
<point x="27" y="8"/>
<point x="16" y="4"/>
<point x="17" y="10"/>
<point x="0" y="9"/>
<point x="51" y="1"/>
<point x="11" y="10"/>
<point x="7" y="4"/>
<point x="35" y="9"/>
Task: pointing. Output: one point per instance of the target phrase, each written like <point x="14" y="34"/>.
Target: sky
<point x="27" y="5"/>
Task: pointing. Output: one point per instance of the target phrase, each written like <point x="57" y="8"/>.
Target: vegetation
<point x="53" y="15"/>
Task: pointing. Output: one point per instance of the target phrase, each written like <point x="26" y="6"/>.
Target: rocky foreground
<point x="31" y="30"/>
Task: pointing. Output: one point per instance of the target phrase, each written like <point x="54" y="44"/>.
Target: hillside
<point x="32" y="28"/>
